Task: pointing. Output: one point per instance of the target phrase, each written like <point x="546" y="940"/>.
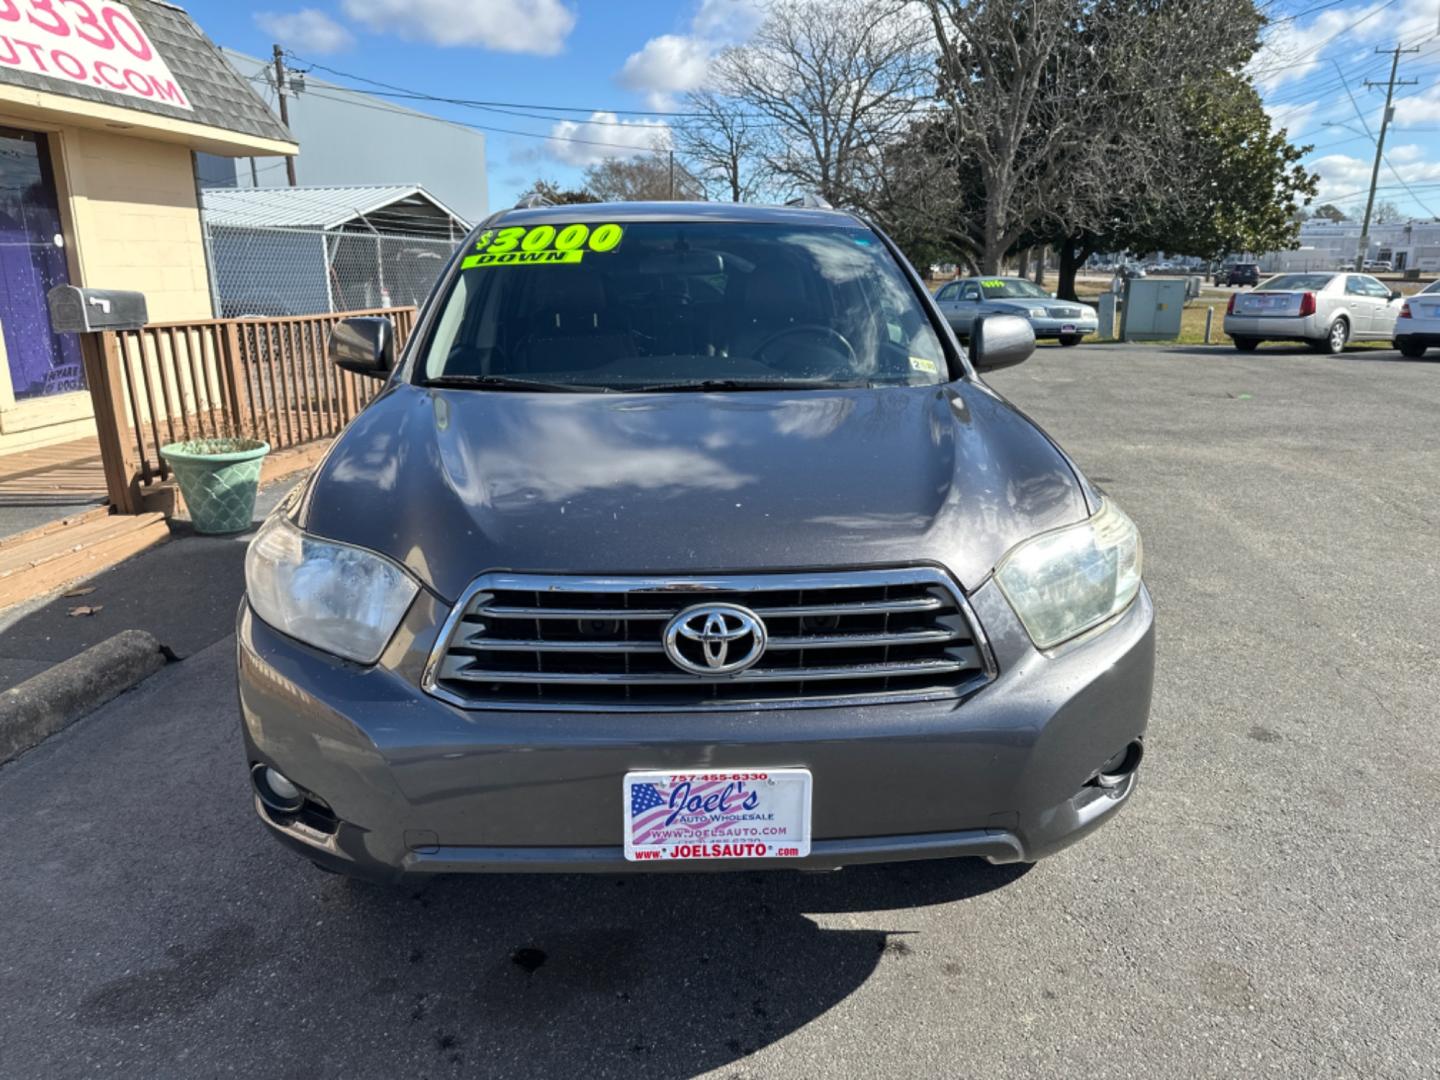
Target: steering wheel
<point x="807" y="328"/>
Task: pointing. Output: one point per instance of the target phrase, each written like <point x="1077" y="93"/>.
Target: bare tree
<point x="1059" y="105"/>
<point x="558" y="195"/>
<point x="1386" y="213"/>
<point x="646" y="178"/>
<point x="722" y="144"/>
<point x="833" y="82"/>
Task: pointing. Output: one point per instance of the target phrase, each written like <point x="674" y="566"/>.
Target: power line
<point x="383" y="107"/>
<point x="1298" y="61"/>
<point x="400" y="91"/>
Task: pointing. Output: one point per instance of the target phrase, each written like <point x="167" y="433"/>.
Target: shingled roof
<point x="219" y="97"/>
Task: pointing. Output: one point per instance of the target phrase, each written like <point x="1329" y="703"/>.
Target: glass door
<point x="32" y="261"/>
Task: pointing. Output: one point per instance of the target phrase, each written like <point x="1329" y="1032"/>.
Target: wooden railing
<point x="265" y="378"/>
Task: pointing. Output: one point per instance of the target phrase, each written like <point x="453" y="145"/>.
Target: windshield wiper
<point x="511" y="382"/>
<point x="709" y="385"/>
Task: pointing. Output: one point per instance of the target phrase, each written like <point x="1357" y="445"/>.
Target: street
<point x="1266" y="906"/>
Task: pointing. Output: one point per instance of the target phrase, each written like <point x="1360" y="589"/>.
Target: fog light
<point x="276" y="790"/>
<point x="280" y="784"/>
<point x="1113" y="772"/>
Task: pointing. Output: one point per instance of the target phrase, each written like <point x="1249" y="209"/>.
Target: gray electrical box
<point x="1153" y="309"/>
<point x="74" y="310"/>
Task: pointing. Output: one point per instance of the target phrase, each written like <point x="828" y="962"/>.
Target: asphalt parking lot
<point x="1266" y="906"/>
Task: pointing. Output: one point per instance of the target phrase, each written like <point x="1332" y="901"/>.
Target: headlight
<point x="343" y="599"/>
<point x="1038" y="312"/>
<point x="1061" y="583"/>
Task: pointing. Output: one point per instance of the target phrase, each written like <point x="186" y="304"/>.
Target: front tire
<point x="1069" y="339"/>
<point x="1410" y="348"/>
<point x="1246" y="344"/>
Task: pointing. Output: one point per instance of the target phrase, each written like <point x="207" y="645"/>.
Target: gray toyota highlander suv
<point x="686" y="536"/>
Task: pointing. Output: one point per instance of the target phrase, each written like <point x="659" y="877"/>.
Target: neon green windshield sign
<point x="541" y="245"/>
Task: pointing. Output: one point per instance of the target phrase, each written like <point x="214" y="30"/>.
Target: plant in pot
<point x="218" y="477"/>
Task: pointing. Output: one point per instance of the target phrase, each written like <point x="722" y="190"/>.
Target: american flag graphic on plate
<point x="715" y="814"/>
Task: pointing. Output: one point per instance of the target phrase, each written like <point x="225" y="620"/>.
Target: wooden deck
<point x="66" y="473"/>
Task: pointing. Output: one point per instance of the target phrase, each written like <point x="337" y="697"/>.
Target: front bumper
<point x="1276" y="327"/>
<point x="1054" y="328"/>
<point x="416" y="785"/>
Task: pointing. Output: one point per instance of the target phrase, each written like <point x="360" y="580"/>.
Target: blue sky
<point x="605" y="58"/>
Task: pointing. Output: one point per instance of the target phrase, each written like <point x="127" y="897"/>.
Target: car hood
<point x="452" y="483"/>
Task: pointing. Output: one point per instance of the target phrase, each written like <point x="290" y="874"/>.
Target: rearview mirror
<point x="1000" y="341"/>
<point x="684" y="263"/>
<point x="364" y="344"/>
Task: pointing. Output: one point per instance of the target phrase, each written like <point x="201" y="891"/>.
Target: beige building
<point x="98" y="184"/>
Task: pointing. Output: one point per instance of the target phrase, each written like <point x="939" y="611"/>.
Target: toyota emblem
<point x="715" y="639"/>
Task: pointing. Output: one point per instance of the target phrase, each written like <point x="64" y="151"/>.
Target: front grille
<point x="1065" y="312"/>
<point x="523" y="641"/>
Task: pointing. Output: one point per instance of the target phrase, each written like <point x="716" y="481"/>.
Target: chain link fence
<point x="275" y="272"/>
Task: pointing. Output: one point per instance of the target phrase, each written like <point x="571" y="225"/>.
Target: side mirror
<point x="364" y="344"/>
<point x="1395" y="294"/>
<point x="1000" y="341"/>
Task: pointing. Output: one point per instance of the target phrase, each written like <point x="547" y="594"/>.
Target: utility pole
<point x="1380" y="147"/>
<point x="285" y="109"/>
<point x="672" y="175"/>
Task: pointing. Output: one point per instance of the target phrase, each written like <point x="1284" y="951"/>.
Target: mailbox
<point x="81" y="311"/>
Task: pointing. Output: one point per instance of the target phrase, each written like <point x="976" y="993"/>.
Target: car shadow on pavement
<point x="656" y="975"/>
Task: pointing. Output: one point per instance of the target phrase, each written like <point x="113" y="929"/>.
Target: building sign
<point x="93" y="42"/>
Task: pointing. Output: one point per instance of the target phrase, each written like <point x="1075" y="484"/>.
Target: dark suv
<point x="1239" y="274"/>
<point x="686" y="535"/>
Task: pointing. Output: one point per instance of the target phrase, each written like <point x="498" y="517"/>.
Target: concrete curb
<point x="40" y="706"/>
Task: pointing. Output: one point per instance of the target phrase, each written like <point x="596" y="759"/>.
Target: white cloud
<point x="307" y="30"/>
<point x="674" y="63"/>
<point x="1345" y="179"/>
<point x="726" y="21"/>
<point x="1293" y="118"/>
<point x="520" y="26"/>
<point x="605" y="135"/>
<point x="1292" y="51"/>
<point x="669" y="64"/>
<point x="1421" y="108"/>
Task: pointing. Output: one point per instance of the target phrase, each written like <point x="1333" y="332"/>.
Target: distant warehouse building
<point x="103" y="107"/>
<point x="1331" y="245"/>
<point x="352" y="138"/>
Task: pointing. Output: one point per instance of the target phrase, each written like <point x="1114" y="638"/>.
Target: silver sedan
<point x="1324" y="310"/>
<point x="965" y="300"/>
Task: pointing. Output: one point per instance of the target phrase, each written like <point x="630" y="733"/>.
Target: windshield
<point x="681" y="306"/>
<point x="1011" y="288"/>
<point x="1296" y="282"/>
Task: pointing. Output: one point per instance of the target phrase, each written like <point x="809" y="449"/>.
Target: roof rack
<point x="532" y="200"/>
<point x="809" y="201"/>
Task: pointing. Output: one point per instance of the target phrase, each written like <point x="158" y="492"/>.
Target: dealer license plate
<point x="1264" y="302"/>
<point x="1068" y="328"/>
<point x="693" y="816"/>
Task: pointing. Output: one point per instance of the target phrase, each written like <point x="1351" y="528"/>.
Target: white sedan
<point x="1418" y="326"/>
<point x="1324" y="310"/>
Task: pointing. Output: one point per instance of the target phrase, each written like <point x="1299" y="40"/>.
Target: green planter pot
<point x="219" y="488"/>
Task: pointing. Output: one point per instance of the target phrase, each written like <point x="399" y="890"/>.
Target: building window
<point x="32" y="262"/>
